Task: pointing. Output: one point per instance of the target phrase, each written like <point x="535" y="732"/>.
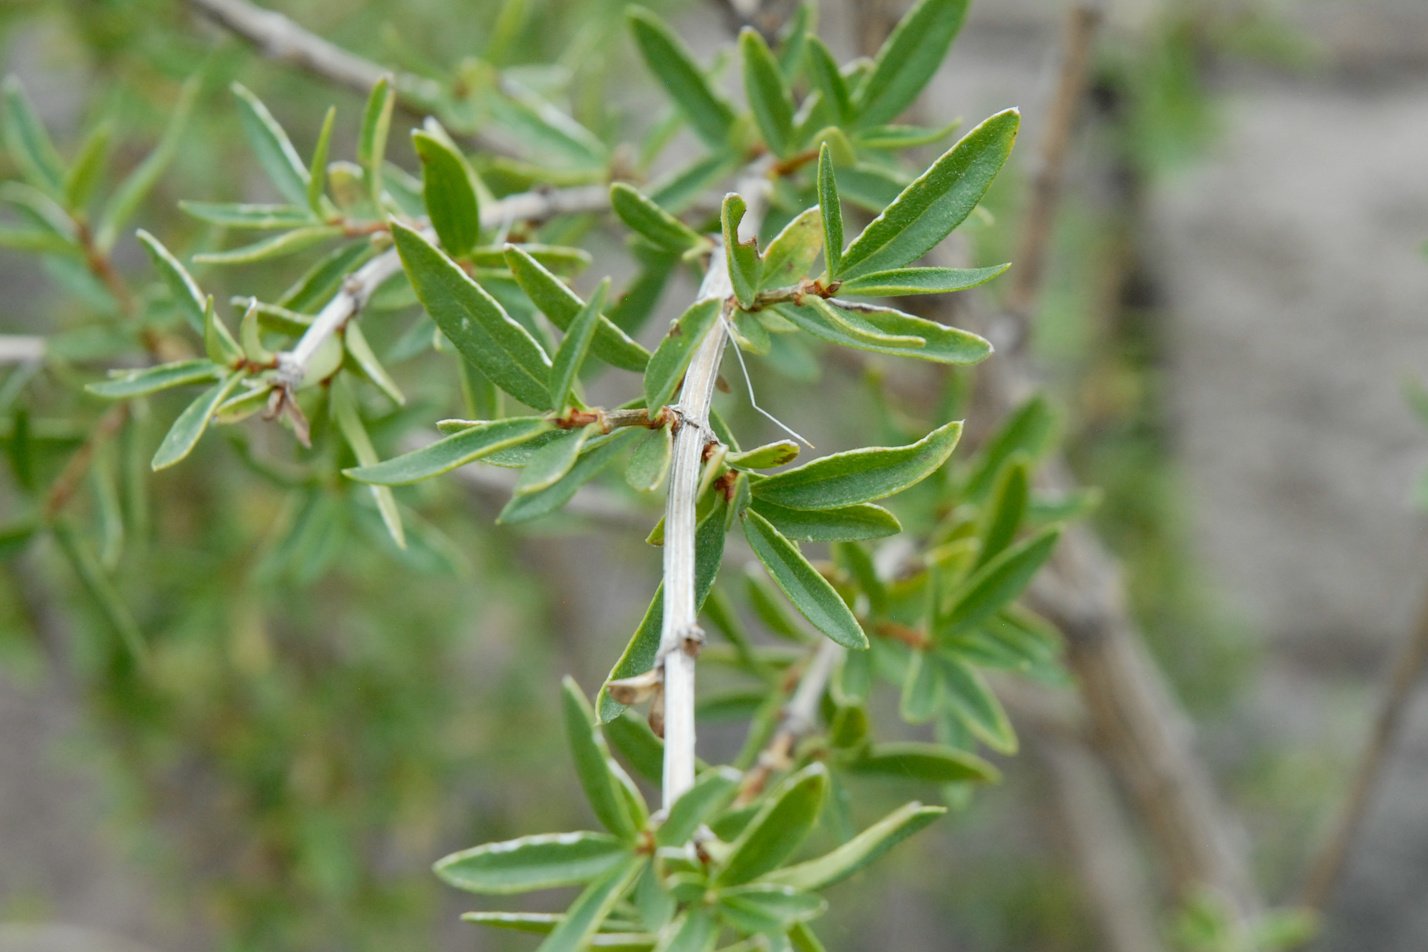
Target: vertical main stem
<point x="680" y="636"/>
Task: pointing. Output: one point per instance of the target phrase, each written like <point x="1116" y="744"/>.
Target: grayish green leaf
<point x="653" y="223"/>
<point x="472" y="320"/>
<point x="561" y="305"/>
<point x="592" y="907"/>
<point x="789" y="813"/>
<point x="809" y="591"/>
<point x="867" y="846"/>
<point x="544" y="861"/>
<point x="271" y="144"/>
<point x="671" y="359"/>
<point x="473" y="443"/>
<point x="448" y="193"/>
<point x="793" y="250"/>
<point x="136" y="186"/>
<point x="674" y="66"/>
<point x="601" y="452"/>
<point x="649" y="464"/>
<point x="936" y="202"/>
<point x="903" y="281"/>
<point x="767" y="92"/>
<point x="908" y="59"/>
<point x="186" y="430"/>
<point x="349" y="422"/>
<point x="372" y="141"/>
<point x="1002" y="579"/>
<point x="576" y="344"/>
<point x="844" y="524"/>
<point x="711" y="792"/>
<point x="928" y="762"/>
<point x="552" y="461"/>
<point x="137" y="383"/>
<point x="831" y="210"/>
<point x="742" y="258"/>
<point x="190" y="300"/>
<point x="287" y="243"/>
<point x="593" y="765"/>
<point x="768" y="456"/>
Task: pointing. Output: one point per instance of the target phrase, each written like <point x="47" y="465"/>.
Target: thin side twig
<point x="1327" y="866"/>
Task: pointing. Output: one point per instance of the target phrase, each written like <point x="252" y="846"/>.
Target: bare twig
<point x="21" y="349"/>
<point x="1327" y="867"/>
<point x="798" y="719"/>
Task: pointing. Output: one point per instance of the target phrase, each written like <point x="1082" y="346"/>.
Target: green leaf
<point x="128" y="195"/>
<point x="317" y="168"/>
<point x="976" y="706"/>
<point x="867" y="846"/>
<point x="540" y="502"/>
<point x="254" y="217"/>
<point x="693" y="931"/>
<point x="548" y="135"/>
<point x="1028" y="430"/>
<point x="768" y="456"/>
<point x="653" y="223"/>
<point x="593" y="765"/>
<point x="88" y="165"/>
<point x="673" y="65"/>
<point x="186" y="430"/>
<point x="1004" y="515"/>
<point x="900" y="137"/>
<point x="711" y="792"/>
<point x="936" y="202"/>
<point x="793" y="250"/>
<point x="271" y="144"/>
<point x="544" y="861"/>
<point x="767" y="92"/>
<point x="829" y="81"/>
<point x="366" y="359"/>
<point x="902" y="281"/>
<point x="639" y="654"/>
<point x="372" y="141"/>
<point x="790" y="812"/>
<point x="472" y="320"/>
<point x="100" y="588"/>
<point x="592" y="907"/>
<point x="139" y="383"/>
<point x="809" y="591"/>
<point x="190" y="300"/>
<point x="319" y="283"/>
<point x="844" y="524"/>
<point x="287" y="243"/>
<point x="456" y="450"/>
<point x="918" y="761"/>
<point x="908" y="59"/>
<point x="218" y="342"/>
<point x="671" y="359"/>
<point x="642" y="750"/>
<point x="852" y="323"/>
<point x="576" y="344"/>
<point x="649" y="464"/>
<point x="995" y="584"/>
<point x="831" y="211"/>
<point x="448" y="193"/>
<point x="349" y="422"/>
<point x="561" y="305"/>
<point x="29" y="144"/>
<point x="742" y="258"/>
<point x="880" y="327"/>
<point x="802" y="939"/>
<point x="921" y="690"/>
<point x="549" y="464"/>
<point x="858" y="476"/>
<point x="768" y="907"/>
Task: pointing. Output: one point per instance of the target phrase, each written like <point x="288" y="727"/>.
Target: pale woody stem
<point x="680" y="635"/>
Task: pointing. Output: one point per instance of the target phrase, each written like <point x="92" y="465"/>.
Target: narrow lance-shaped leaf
<point x="472" y="320"/>
<point x="936" y="202"/>
<point x="695" y="930"/>
<point x="850" y="322"/>
<point x="671" y="359"/>
<point x="456" y="450"/>
<point x="768" y="456"/>
<point x="592" y="907"/>
<point x="548" y="135"/>
<point x="651" y="222"/>
<point x="878" y="330"/>
<point x="317" y="168"/>
<point x="931" y="763"/>
<point x="592" y="763"/>
<point x="742" y="258"/>
<point x="831" y="211"/>
<point x="561" y="305"/>
<point x="844" y="524"/>
<point x="522" y="865"/>
<point x="903" y="281"/>
<point x="649" y="464"/>
<point x="288" y="243"/>
<point x="908" y="59"/>
<point x="448" y="193"/>
<point x="553" y="461"/>
<point x="576" y="344"/>
<point x="858" y="476"/>
<point x="820" y="873"/>
<point x="218" y="342"/>
<point x="793" y="250"/>
<point x="139" y="383"/>
<point x="790" y="813"/>
<point x="1004" y="515"/>
<point x="975" y="704"/>
<point x="190" y="300"/>
<point x="100" y="588"/>
<point x="768" y="907"/>
<point x="810" y="592"/>
<point x="828" y="80"/>
<point x="183" y="436"/>
<point x="28" y="142"/>
<point x="672" y="63"/>
<point x="137" y="184"/>
<point x="349" y="422"/>
<point x="372" y="142"/>
<point x="271" y="144"/>
<point x="88" y="165"/>
<point x="711" y="792"/>
<point x="768" y="95"/>
<point x="601" y="452"/>
<point x="1002" y="579"/>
